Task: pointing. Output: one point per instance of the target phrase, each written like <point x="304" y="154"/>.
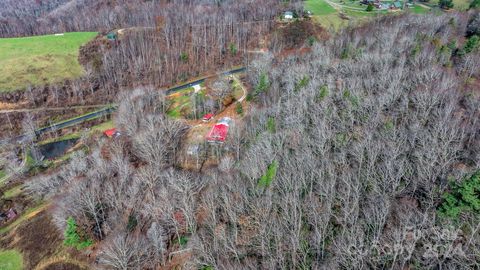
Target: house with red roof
<point x="218" y="133"/>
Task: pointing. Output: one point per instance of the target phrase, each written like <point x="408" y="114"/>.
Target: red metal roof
<point x="218" y="133"/>
<point x="110" y="132"/>
<point x="208" y="116"/>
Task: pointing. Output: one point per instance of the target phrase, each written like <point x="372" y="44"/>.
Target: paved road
<point x="53" y="109"/>
<point x="109" y="110"/>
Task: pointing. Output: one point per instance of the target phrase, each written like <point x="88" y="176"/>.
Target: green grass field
<point x="13" y="192"/>
<point x="419" y="9"/>
<point x="319" y="7"/>
<point x="40" y="60"/>
<point x="11" y="260"/>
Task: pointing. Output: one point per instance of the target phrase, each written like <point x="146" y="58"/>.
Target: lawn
<point x="319" y="7"/>
<point x="419" y="9"/>
<point x="13" y="192"/>
<point x="11" y="260"/>
<point x="40" y="60"/>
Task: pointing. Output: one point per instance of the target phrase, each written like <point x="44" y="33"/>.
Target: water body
<point x="56" y="149"/>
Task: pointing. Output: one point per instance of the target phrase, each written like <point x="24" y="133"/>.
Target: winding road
<point x="112" y="108"/>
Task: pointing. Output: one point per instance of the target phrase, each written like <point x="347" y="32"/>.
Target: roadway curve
<point x="111" y="109"/>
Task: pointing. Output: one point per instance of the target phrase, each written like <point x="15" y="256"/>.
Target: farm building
<point x="218" y="133"/>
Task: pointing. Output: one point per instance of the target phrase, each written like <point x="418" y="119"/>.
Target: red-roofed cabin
<point x="112" y="133"/>
<point x="207" y="117"/>
<point x="218" y="133"/>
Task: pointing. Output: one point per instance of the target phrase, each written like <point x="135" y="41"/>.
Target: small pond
<point x="56" y="149"/>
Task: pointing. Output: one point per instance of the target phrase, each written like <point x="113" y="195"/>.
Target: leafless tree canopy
<point x="364" y="132"/>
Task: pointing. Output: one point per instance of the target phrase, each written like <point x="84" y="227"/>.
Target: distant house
<point x="288" y="15"/>
<point x="218" y="133"/>
<point x="112" y="133"/>
<point x="207" y="117"/>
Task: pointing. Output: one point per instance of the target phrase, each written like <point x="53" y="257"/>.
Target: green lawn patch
<point x="419" y="9"/>
<point x="2" y="174"/>
<point x="178" y="102"/>
<point x="103" y="126"/>
<point x="11" y="260"/>
<point x="13" y="192"/>
<point x="39" y="60"/>
<point x="319" y="7"/>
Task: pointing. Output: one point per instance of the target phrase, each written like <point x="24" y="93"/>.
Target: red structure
<point x="207" y="117"/>
<point x="112" y="133"/>
<point x="218" y="133"/>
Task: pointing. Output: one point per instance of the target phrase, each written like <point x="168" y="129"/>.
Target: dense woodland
<point x="359" y="154"/>
<point x="359" y="151"/>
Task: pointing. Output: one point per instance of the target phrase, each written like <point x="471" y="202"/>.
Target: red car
<point x="207" y="117"/>
<point x="112" y="133"/>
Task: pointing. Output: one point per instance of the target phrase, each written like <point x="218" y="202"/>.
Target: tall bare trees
<point x="357" y="140"/>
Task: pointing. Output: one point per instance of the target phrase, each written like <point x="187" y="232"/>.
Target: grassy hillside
<point x="40" y="59"/>
<point x="319" y="7"/>
<point x="328" y="12"/>
<point x="11" y="260"/>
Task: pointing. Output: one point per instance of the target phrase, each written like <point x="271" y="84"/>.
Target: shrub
<point x="445" y="4"/>
<point x="474" y="4"/>
<point x="233" y="49"/>
<point x="472" y="43"/>
<point x="268" y="177"/>
<point x="72" y="238"/>
<point x="239" y="108"/>
<point x="462" y="198"/>
<point x="302" y="83"/>
<point x="262" y="85"/>
<point x="132" y="223"/>
<point x="271" y="125"/>
<point x="184" y="57"/>
<point x="369" y="8"/>
<point x="323" y="93"/>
